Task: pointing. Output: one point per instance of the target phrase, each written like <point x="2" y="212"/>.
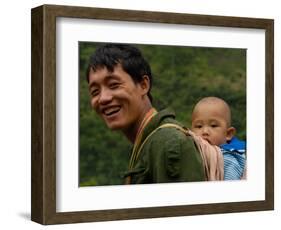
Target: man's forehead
<point x="97" y="78"/>
<point x="100" y="70"/>
<point x="100" y="75"/>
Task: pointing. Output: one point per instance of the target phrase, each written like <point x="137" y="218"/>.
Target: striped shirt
<point x="234" y="155"/>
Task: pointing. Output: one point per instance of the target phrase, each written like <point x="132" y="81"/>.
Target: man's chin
<point x="114" y="126"/>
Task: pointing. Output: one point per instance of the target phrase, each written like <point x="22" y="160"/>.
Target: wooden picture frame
<point x="43" y="207"/>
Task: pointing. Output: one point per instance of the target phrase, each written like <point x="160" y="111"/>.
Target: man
<point x="119" y="83"/>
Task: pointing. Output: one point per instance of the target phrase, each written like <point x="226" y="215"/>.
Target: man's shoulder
<point x="166" y="130"/>
<point x="169" y="133"/>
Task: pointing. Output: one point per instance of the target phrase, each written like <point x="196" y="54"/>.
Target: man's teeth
<point x="111" y="110"/>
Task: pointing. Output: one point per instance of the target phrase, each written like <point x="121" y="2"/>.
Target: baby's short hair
<point x="217" y="100"/>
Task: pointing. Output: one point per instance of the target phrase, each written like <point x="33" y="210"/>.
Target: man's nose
<point x="105" y="96"/>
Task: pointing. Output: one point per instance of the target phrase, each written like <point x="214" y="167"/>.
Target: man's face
<point x="209" y="121"/>
<point x="116" y="97"/>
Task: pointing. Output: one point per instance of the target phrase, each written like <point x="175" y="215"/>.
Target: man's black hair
<point x="129" y="57"/>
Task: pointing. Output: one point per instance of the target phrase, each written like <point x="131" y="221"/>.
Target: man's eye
<point x="114" y="85"/>
<point x="94" y="92"/>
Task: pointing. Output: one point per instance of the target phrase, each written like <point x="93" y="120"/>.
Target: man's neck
<point x="132" y="131"/>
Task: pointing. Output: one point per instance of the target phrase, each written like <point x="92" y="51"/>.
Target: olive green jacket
<point x="167" y="156"/>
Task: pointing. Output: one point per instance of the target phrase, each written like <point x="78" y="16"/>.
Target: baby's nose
<point x="205" y="130"/>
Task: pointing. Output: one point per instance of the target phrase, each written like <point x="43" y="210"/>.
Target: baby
<point x="211" y="120"/>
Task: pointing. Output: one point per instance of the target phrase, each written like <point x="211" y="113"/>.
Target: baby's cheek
<point x="196" y="131"/>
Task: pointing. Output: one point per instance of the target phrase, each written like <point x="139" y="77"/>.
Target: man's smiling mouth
<point x="111" y="110"/>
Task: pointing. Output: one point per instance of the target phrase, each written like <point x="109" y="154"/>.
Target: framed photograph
<point x="77" y="162"/>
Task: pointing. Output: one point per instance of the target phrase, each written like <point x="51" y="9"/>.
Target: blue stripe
<point x="234" y="164"/>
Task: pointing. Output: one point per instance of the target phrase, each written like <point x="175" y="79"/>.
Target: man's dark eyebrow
<point x="111" y="76"/>
<point x="107" y="78"/>
<point x="92" y="84"/>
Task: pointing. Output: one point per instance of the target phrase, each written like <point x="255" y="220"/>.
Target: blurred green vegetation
<point x="181" y="76"/>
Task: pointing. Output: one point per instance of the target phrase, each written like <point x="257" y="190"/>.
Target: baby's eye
<point x="198" y="126"/>
<point x="214" y="125"/>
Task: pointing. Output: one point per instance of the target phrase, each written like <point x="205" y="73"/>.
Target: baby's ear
<point x="231" y="131"/>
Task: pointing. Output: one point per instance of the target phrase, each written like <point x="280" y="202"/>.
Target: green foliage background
<point x="181" y="76"/>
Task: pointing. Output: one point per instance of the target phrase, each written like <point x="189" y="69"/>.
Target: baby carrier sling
<point x="212" y="158"/>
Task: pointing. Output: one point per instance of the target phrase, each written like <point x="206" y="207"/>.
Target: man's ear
<point x="145" y="84"/>
<point x="230" y="133"/>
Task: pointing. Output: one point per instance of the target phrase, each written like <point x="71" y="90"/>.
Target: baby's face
<point x="209" y="121"/>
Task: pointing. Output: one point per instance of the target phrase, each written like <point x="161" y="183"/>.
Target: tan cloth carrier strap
<point x="211" y="155"/>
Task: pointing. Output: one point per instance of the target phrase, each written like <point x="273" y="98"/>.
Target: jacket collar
<point x="157" y="120"/>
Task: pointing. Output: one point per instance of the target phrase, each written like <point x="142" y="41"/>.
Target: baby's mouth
<point x="206" y="139"/>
